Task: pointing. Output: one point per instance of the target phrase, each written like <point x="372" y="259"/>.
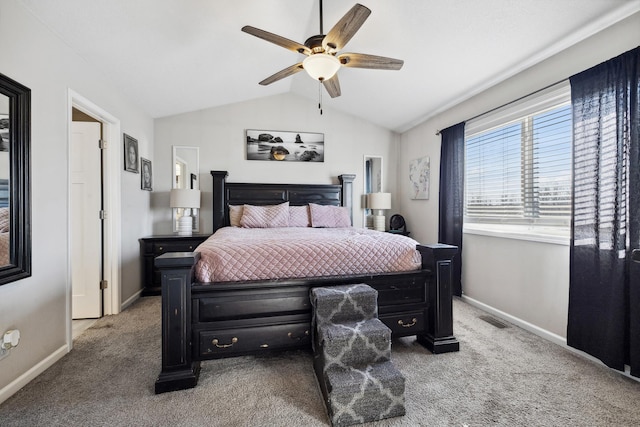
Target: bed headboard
<point x="235" y="193"/>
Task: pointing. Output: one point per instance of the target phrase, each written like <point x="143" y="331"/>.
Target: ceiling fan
<point x="323" y="58"/>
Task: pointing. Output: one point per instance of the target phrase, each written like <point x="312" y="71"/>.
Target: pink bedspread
<point x="235" y="254"/>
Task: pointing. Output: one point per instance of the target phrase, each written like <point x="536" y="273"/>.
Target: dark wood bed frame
<point x="203" y="321"/>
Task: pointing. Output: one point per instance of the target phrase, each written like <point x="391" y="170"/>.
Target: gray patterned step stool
<point x="352" y="356"/>
<point x="364" y="395"/>
<point x="354" y="344"/>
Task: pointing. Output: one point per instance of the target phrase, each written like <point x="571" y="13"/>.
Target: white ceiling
<point x="175" y="56"/>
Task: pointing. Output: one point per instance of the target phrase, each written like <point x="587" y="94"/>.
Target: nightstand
<point x="153" y="246"/>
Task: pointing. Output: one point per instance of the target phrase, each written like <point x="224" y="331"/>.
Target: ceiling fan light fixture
<point x="321" y="66"/>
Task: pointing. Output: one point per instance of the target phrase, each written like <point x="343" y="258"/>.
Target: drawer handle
<point x="190" y="246"/>
<point x="290" y="335"/>
<point x="160" y="248"/>
<point x="408" y="325"/>
<point x="233" y="341"/>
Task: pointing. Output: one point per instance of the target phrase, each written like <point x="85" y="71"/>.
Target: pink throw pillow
<point x="4" y="220"/>
<point x="269" y="216"/>
<point x="329" y="216"/>
<point x="299" y="216"/>
<point x="235" y="213"/>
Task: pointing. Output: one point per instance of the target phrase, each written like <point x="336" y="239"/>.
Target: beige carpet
<point x="501" y="377"/>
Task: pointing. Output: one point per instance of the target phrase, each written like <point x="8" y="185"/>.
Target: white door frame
<point x="111" y="191"/>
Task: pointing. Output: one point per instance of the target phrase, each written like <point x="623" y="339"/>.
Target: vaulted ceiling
<point x="175" y="56"/>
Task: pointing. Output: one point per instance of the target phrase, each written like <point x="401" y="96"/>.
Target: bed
<point x="209" y="320"/>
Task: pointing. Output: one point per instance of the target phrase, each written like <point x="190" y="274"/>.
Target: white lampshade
<point x="379" y="201"/>
<point x="321" y="66"/>
<point x="184" y="198"/>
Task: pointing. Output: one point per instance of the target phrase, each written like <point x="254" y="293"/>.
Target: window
<point x="518" y="166"/>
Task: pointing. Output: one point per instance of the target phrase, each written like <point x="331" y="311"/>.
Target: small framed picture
<point x="146" y="175"/>
<point x="130" y="154"/>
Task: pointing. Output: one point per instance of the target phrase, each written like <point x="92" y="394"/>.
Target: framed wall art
<point x="419" y="178"/>
<point x="130" y="154"/>
<point x="284" y="146"/>
<point x="146" y="178"/>
<point x="4" y="132"/>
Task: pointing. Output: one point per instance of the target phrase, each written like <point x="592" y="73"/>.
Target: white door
<point x="86" y="225"/>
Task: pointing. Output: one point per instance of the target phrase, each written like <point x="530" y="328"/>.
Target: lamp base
<point x="379" y="222"/>
<point x="185" y="225"/>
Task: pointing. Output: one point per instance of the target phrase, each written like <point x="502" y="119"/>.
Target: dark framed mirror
<point x="15" y="180"/>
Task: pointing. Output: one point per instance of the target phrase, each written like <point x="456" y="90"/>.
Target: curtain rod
<point x="510" y="102"/>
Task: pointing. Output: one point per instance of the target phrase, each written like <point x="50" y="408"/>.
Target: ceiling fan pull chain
<point x="320" y="97"/>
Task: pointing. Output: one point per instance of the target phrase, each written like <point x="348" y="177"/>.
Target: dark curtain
<point x="452" y="196"/>
<point x="604" y="294"/>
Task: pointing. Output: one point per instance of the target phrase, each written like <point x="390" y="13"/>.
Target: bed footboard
<point x="439" y="335"/>
<point x="416" y="303"/>
<point x="179" y="370"/>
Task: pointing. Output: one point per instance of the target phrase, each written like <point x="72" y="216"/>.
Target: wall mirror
<point x="186" y="165"/>
<point x="15" y="181"/>
<point x="372" y="184"/>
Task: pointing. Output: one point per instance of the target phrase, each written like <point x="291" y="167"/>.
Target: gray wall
<point x="40" y="305"/>
<point x="220" y="134"/>
<point x="523" y="281"/>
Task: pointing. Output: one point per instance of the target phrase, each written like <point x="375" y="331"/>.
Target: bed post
<point x="346" y="180"/>
<point x="179" y="371"/>
<point x="219" y="211"/>
<point x="439" y="336"/>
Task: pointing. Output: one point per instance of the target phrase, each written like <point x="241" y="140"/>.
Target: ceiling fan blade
<point x="289" y="71"/>
<point x="361" y="60"/>
<point x="332" y="86"/>
<point x="342" y="32"/>
<point x="276" y="39"/>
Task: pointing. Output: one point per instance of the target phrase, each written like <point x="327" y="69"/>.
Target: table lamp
<point x="185" y="199"/>
<point x="379" y="202"/>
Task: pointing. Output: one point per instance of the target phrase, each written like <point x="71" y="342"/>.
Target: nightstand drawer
<point x="160" y="248"/>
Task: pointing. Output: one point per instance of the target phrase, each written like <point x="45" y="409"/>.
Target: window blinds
<point x="518" y="162"/>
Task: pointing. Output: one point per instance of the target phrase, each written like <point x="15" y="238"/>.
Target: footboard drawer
<point x="405" y="324"/>
<point x="255" y="303"/>
<point x="231" y="342"/>
<point x="401" y="290"/>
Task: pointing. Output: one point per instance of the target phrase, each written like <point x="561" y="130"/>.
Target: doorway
<point x="105" y="242"/>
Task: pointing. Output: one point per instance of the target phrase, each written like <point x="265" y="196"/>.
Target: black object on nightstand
<point x="397" y="225"/>
<point x="153" y="246"/>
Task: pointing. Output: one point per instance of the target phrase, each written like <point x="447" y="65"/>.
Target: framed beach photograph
<point x="285" y="146"/>
<point x="146" y="177"/>
<point x="419" y="178"/>
<point x="130" y="154"/>
<point x="4" y="132"/>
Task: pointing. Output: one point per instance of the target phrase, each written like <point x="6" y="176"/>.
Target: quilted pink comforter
<point x="235" y="254"/>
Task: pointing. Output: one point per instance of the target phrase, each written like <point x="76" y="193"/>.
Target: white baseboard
<point x="25" y="378"/>
<point x="130" y="300"/>
<point x="555" y="338"/>
<point x="543" y="333"/>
